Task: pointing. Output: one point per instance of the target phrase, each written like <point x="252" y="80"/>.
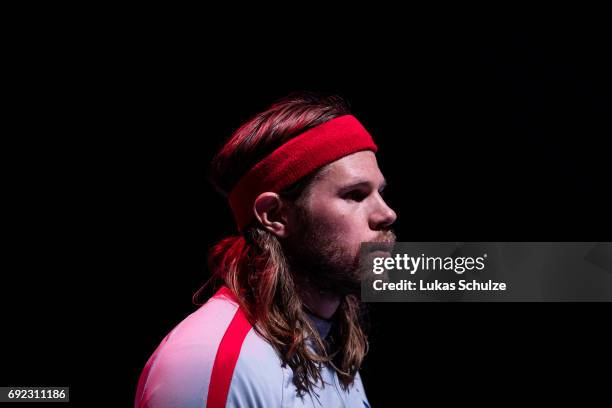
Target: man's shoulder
<point x="183" y="362"/>
<point x="181" y="368"/>
<point x="200" y="333"/>
<point x="211" y="320"/>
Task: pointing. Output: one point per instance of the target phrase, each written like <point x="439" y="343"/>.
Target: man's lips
<point x="384" y="243"/>
<point x="381" y="246"/>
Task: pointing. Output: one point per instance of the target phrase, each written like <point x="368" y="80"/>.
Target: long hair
<point x="254" y="266"/>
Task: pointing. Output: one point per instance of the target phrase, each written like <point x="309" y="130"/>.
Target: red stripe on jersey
<point x="227" y="356"/>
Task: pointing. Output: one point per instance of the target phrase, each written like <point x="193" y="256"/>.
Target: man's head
<point x="309" y="176"/>
<point x="310" y="230"/>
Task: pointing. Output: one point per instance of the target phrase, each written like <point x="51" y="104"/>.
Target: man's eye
<point x="355" y="195"/>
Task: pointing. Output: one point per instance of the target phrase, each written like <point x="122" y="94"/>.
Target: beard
<point x="319" y="256"/>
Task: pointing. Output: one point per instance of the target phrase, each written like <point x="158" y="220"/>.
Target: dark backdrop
<point x="482" y="138"/>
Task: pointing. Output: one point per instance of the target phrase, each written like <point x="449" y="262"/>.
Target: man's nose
<point x="383" y="217"/>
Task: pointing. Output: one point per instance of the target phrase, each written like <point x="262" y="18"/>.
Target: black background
<point x="483" y="136"/>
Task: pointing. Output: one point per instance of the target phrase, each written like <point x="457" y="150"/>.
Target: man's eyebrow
<point x="362" y="183"/>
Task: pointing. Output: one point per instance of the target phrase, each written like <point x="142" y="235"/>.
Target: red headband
<point x="297" y="158"/>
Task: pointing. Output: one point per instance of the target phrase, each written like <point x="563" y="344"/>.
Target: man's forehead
<point x="354" y="168"/>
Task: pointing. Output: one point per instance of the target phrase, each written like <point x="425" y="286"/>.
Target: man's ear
<point x="270" y="211"/>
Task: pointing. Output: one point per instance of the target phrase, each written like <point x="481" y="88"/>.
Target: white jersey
<point x="214" y="358"/>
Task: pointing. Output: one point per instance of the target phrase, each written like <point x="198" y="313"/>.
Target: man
<point x="284" y="328"/>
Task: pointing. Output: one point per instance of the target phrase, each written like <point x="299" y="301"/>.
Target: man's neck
<point x="320" y="303"/>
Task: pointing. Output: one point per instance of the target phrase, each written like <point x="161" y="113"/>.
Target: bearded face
<point x="340" y="210"/>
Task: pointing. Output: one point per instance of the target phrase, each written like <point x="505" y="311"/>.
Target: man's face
<point x="340" y="210"/>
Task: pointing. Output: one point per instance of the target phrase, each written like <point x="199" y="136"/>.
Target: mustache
<point x="387" y="236"/>
<point x="385" y="241"/>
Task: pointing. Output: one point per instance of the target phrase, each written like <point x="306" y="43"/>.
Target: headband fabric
<point x="296" y="159"/>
